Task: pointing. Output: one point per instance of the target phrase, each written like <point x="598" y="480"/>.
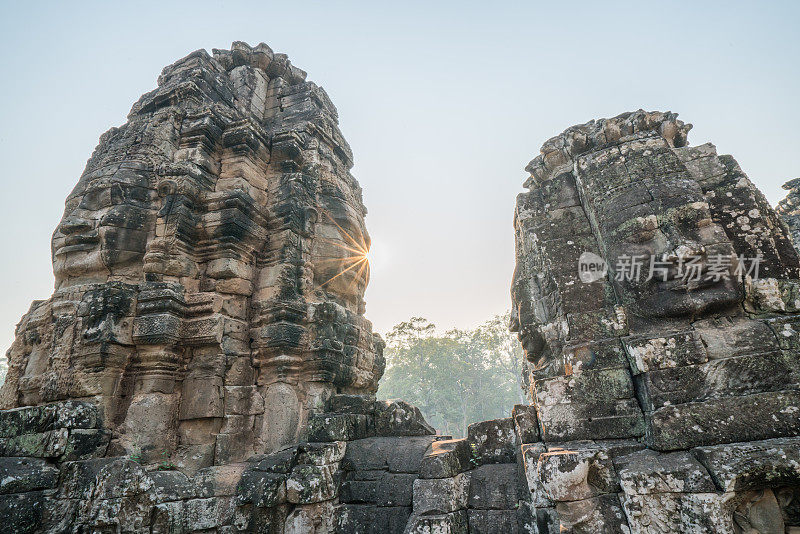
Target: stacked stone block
<point x="637" y="384"/>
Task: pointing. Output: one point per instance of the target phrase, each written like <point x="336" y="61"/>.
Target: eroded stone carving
<point x="210" y="267"/>
<point x="204" y="360"/>
<point x="648" y="367"/>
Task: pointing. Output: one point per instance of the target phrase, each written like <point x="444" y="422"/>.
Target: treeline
<point x="455" y="378"/>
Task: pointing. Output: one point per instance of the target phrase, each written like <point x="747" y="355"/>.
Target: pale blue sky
<point x="443" y="104"/>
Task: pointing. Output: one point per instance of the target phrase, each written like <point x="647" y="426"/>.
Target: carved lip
<point x="678" y="284"/>
<point x="79" y="242"/>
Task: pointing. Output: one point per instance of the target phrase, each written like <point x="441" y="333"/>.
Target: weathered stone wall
<point x="56" y="476"/>
<point x="668" y="404"/>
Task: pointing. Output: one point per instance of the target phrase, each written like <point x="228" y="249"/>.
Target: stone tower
<point x="656" y="296"/>
<point x="210" y="267"/>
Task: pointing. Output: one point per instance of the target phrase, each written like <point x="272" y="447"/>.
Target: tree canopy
<point x="455" y="378"/>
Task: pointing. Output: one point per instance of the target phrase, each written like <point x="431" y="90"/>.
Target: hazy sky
<point x="443" y="104"/>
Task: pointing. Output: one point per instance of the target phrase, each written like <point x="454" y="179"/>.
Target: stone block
<point x="449" y="523"/>
<point x="168" y="518"/>
<point x="446" y="458"/>
<point x="597" y="514"/>
<point x="21" y="513"/>
<point x="493" y="521"/>
<point x="219" y="480"/>
<point x="705" y="423"/>
<point x="589" y="405"/>
<point x="86" y="443"/>
<point x="576" y="472"/>
<point x="617" y="419"/>
<point x="526" y="423"/>
<point x="385" y="489"/>
<point x="492" y="442"/>
<point x="647" y="471"/>
<point x="758" y="464"/>
<point x="369" y="519"/>
<point x="78" y="477"/>
<point x="494" y="487"/>
<point x="261" y="489"/>
<point x="399" y="418"/>
<point x="531" y="462"/>
<point x="441" y="495"/>
<point x="243" y="400"/>
<point x="316" y="518"/>
<point x="360" y="404"/>
<point x="321" y="453"/>
<point x="49" y="444"/>
<point x="340" y="427"/>
<point x="312" y="483"/>
<point x="172" y="486"/>
<point x="201" y="514"/>
<point x="674" y="349"/>
<point x="406" y="454"/>
<point x="281" y="461"/>
<point x="203" y="398"/>
<point x="19" y="475"/>
<point x="50" y="417"/>
<point x="728" y="377"/>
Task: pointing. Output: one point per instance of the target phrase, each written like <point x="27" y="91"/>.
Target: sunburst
<point x="359" y="249"/>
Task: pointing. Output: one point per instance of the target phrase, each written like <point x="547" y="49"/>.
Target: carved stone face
<point x="105" y="227"/>
<point x="661" y="214"/>
<point x="339" y="251"/>
<point x="766" y="511"/>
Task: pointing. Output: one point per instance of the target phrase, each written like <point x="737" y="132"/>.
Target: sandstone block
<point x="441" y="495"/>
<point x="494" y="487"/>
<point x="340" y="427"/>
<point x="398" y="418"/>
<point x="492" y="441"/>
<point x="446" y="458"/>
<point x="19" y="475"/>
<point x="526" y="423"/>
<point x="312" y="483"/>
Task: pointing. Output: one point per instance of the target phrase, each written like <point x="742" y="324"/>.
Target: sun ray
<point x="356" y="246"/>
<point x="362" y="260"/>
<point x="354" y="241"/>
<point x="338" y="244"/>
<point x="348" y="258"/>
<point x="357" y="277"/>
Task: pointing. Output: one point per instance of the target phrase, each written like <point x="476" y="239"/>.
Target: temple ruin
<point x="667" y="403"/>
<point x="204" y="363"/>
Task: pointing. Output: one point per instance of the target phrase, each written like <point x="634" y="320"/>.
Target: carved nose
<point x="73" y="224"/>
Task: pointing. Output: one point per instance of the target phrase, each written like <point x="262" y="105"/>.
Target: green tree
<point x="455" y="378"/>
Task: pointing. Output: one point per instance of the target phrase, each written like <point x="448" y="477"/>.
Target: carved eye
<point x="95" y="199"/>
